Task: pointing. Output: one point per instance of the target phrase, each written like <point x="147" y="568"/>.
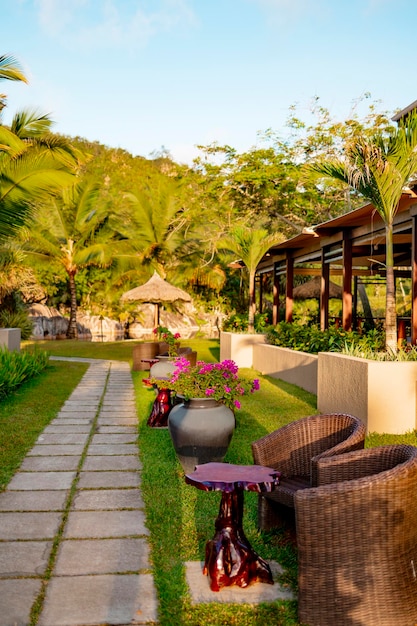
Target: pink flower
<point x="177" y="336"/>
<point x="237" y="404"/>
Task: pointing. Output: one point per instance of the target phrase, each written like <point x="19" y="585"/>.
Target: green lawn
<point x="207" y="349"/>
<point x="179" y="517"/>
<point x="25" y="413"/>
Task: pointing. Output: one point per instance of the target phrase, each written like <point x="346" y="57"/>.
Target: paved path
<point x="74" y="510"/>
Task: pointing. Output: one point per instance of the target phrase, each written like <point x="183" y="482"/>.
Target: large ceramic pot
<point x="163" y="368"/>
<point x="201" y="430"/>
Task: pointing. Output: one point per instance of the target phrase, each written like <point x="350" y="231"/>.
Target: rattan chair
<point x="294" y="450"/>
<point x="357" y="540"/>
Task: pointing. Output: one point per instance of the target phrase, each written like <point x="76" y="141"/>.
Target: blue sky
<point x="147" y="74"/>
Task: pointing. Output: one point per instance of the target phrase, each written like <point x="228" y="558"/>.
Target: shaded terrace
<point x="351" y="246"/>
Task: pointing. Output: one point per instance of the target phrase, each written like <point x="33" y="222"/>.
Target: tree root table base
<point x="161" y="408"/>
<point x="230" y="559"/>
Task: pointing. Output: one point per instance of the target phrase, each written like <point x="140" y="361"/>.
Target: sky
<point x="154" y="75"/>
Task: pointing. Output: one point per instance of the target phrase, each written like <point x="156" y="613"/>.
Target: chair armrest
<point x="358" y="464"/>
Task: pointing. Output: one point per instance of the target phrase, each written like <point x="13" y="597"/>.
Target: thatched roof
<point x="312" y="288"/>
<point x="156" y="290"/>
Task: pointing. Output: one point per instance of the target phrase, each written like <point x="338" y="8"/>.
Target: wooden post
<point x="347" y="284"/>
<point x="289" y="289"/>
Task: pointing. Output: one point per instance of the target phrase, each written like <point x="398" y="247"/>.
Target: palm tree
<point x="33" y="162"/>
<point x="379" y="167"/>
<point x="74" y="232"/>
<point x="9" y="70"/>
<point x="250" y="245"/>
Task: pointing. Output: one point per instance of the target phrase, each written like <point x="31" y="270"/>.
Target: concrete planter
<point x="297" y="368"/>
<point x="382" y="394"/>
<point x="10" y="339"/>
<point x="239" y="347"/>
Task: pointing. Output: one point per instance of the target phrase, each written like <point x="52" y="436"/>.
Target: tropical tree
<point x="378" y="167"/>
<point x="33" y="161"/>
<point x="9" y="70"/>
<point x="250" y="245"/>
<point x="73" y="231"/>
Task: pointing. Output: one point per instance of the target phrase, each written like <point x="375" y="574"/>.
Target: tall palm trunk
<point x="252" y="303"/>
<point x="72" y="331"/>
<point x="390" y="307"/>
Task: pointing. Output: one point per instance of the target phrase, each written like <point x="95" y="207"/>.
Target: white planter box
<point x="10" y="338"/>
<point x="297" y="368"/>
<point x="382" y="394"/>
<point x="239" y="347"/>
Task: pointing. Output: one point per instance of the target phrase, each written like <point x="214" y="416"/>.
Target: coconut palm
<point x="73" y="231"/>
<point x="9" y="70"/>
<point x="33" y="162"/>
<point x="250" y="245"/>
<point x="379" y="167"/>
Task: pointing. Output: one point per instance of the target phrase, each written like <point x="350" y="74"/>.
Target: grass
<point x="25" y="413"/>
<point x="180" y="518"/>
<point x="207" y="349"/>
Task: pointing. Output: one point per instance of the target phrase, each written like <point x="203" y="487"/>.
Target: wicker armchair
<point x="294" y="450"/>
<point x="357" y="540"/>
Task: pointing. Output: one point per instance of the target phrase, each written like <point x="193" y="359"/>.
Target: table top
<point x="228" y="477"/>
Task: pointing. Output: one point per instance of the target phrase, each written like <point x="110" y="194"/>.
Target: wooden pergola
<point x="351" y="246"/>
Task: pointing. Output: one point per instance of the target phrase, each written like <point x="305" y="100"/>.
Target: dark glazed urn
<point x="201" y="430"/>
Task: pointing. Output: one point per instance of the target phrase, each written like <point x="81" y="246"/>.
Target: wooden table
<point x="162" y="405"/>
<point x="230" y="559"/>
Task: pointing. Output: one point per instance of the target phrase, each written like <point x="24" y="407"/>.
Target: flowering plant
<point x="219" y="381"/>
<point x="164" y="334"/>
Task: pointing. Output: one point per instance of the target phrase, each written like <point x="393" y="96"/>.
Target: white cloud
<point x="107" y="23"/>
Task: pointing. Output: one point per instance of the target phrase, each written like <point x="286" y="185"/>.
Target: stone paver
<point x="98" y="480"/>
<point x="50" y="463"/>
<point x="254" y="594"/>
<point x="41" y="480"/>
<point x="117" y="429"/>
<point x="103" y="599"/>
<point x="99" y="463"/>
<point x="62" y="438"/>
<point x="107" y="499"/>
<point x="29" y="525"/>
<point x="56" y="450"/>
<point x="59" y="428"/>
<point x="16" y="599"/>
<point x="33" y="500"/>
<point x="101" y="438"/>
<point x="101" y="524"/>
<point x="113" y="449"/>
<point x="23" y="558"/>
<point x="101" y="556"/>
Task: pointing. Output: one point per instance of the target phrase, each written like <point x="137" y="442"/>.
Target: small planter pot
<point x="164" y="368"/>
<point x="201" y="430"/>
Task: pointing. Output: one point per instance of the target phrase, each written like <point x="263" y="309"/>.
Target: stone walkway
<point x="73" y="539"/>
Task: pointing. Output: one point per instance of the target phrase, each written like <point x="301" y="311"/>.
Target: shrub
<point x="239" y="322"/>
<point x="17" y="319"/>
<point x="17" y="367"/>
<point x="313" y="340"/>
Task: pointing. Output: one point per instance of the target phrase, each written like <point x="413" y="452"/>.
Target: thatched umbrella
<point x="156" y="291"/>
<point x="312" y="289"/>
